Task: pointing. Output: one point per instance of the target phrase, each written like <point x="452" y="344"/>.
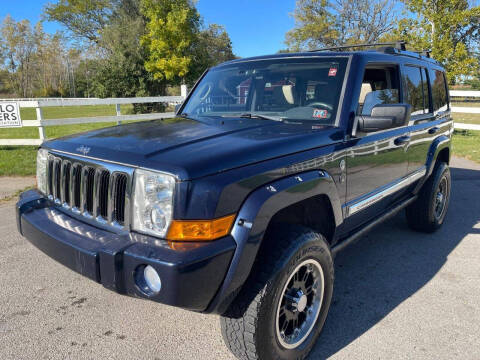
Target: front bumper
<point x="191" y="273"/>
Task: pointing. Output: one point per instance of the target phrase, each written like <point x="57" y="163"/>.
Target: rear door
<point x="426" y="91"/>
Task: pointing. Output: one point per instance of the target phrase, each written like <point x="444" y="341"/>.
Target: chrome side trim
<point x="365" y="201"/>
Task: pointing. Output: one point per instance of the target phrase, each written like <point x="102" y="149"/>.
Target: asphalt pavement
<point x="398" y="295"/>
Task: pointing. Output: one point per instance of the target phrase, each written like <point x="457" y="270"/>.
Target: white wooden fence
<point x="39" y="104"/>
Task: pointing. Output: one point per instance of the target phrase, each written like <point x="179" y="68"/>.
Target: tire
<point x="428" y="212"/>
<point x="252" y="326"/>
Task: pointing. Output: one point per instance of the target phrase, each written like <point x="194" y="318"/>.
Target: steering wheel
<point x="207" y="89"/>
<point x="321" y="104"/>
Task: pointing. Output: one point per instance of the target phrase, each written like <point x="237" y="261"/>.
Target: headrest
<point x="288" y="94"/>
<point x="366" y="88"/>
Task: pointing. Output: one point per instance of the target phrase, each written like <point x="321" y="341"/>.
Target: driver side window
<point x="380" y="85"/>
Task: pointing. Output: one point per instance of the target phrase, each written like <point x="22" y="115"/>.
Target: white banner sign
<point x="10" y="115"/>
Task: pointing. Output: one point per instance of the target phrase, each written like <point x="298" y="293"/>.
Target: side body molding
<point x="254" y="217"/>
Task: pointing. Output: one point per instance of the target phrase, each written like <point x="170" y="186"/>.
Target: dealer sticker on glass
<point x="320" y="114"/>
<point x="9" y="115"/>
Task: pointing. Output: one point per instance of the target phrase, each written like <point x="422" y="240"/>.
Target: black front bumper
<point x="191" y="274"/>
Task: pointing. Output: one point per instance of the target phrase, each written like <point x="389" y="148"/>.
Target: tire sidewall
<point x="441" y="172"/>
<point x="313" y="248"/>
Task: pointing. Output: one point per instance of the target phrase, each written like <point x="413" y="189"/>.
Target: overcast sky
<point x="256" y="27"/>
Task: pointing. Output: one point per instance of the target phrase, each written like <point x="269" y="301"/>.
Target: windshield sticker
<point x="320" y="114"/>
<point x="332" y="72"/>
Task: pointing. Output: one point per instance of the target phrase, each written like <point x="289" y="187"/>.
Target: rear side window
<point x="414" y="89"/>
<point x="439" y="90"/>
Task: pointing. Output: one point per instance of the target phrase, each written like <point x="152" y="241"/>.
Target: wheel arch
<point x="439" y="151"/>
<point x="264" y="207"/>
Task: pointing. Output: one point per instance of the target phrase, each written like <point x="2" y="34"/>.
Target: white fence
<point x="39" y="104"/>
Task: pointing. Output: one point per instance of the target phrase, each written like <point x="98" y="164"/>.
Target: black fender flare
<point x="254" y="216"/>
<point x="438" y="145"/>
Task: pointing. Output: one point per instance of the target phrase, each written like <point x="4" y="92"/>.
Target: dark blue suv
<point x="238" y="205"/>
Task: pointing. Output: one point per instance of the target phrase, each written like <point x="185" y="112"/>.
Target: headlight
<point x="152" y="202"/>
<point x="42" y="161"/>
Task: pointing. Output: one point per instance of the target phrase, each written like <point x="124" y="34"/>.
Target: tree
<point x="171" y="30"/>
<point x="320" y="23"/>
<point x="449" y="28"/>
<point x="18" y="48"/>
<point x="212" y="46"/>
<point x="84" y="18"/>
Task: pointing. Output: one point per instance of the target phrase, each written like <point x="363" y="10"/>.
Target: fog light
<point x="152" y="279"/>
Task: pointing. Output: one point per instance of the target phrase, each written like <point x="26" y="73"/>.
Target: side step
<point x="369" y="226"/>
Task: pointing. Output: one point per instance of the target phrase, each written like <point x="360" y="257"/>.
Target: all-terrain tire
<point x="249" y="327"/>
<point x="427" y="214"/>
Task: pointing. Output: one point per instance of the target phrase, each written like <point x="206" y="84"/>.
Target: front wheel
<point x="282" y="307"/>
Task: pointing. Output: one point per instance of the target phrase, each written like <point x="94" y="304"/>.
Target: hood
<point x="190" y="149"/>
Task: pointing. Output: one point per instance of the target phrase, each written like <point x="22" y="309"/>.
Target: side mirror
<point x="384" y="116"/>
<point x="177" y="107"/>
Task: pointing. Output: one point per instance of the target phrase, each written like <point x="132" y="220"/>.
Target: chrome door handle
<point x="433" y="130"/>
<point x="402" y="140"/>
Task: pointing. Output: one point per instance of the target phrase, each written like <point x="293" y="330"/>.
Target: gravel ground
<point x="10" y="185"/>
<point x="398" y="295"/>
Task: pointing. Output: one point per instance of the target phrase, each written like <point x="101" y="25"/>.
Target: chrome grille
<point x="99" y="191"/>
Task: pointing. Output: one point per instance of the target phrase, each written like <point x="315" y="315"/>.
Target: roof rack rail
<point x="398" y="45"/>
<point x="425" y="53"/>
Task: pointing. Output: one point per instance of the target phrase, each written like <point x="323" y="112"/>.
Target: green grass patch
<point x="18" y="160"/>
<point x="466" y="143"/>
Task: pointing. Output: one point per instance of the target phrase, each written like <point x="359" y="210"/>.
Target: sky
<point x="256" y="27"/>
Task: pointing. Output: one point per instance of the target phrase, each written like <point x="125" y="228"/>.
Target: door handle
<point x="433" y="130"/>
<point x="402" y="140"/>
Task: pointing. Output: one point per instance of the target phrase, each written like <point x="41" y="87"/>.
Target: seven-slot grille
<point x="90" y="189"/>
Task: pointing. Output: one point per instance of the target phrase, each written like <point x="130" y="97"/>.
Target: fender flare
<point x="254" y="216"/>
<point x="438" y="145"/>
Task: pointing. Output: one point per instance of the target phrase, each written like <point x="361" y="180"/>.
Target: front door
<point x="377" y="161"/>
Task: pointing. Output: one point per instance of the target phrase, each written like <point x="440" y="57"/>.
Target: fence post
<point x="41" y="130"/>
<point x="119" y="112"/>
<point x="183" y="91"/>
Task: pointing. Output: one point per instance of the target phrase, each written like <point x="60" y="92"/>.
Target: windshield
<point x="288" y="89"/>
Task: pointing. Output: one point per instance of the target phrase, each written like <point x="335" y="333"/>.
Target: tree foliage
<point x="449" y="28"/>
<point x="320" y="23"/>
<point x="138" y="47"/>
<point x="84" y="18"/>
<point x="171" y="30"/>
<point x="36" y="63"/>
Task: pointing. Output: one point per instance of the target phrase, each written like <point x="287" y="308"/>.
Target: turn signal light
<point x="200" y="230"/>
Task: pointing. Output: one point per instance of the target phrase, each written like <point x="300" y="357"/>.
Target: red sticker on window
<point x="320" y="114"/>
<point x="332" y="72"/>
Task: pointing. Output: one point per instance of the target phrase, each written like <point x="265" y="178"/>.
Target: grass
<point x="466" y="143"/>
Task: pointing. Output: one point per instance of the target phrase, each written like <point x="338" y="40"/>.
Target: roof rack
<point x="425" y="53"/>
<point x="398" y="45"/>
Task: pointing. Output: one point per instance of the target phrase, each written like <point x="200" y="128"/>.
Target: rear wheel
<point x="282" y="307"/>
<point x="428" y="212"/>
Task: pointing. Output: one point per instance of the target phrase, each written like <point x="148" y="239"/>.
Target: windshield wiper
<point x="260" y="116"/>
